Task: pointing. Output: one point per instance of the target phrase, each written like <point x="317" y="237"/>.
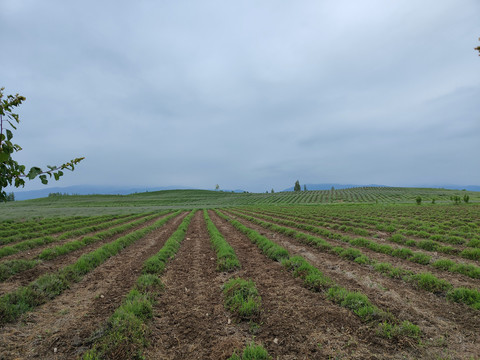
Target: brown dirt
<point x="382" y="238"/>
<point x="189" y="319"/>
<point x="450" y="329"/>
<point x="456" y="279"/>
<point x="67" y="322"/>
<point x="304" y="323"/>
<point x="47" y="266"/>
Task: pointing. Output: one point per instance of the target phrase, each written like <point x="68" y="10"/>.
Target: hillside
<point x="103" y="204"/>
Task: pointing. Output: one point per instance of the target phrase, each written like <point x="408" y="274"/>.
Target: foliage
<point x="252" y="352"/>
<point x="11" y="172"/>
<point x="456" y="199"/>
<point x="297" y="186"/>
<point x="419" y="200"/>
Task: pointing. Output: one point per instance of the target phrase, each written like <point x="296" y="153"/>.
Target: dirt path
<point x="300" y="324"/>
<point x="47" y="266"/>
<point x="190" y="321"/>
<point x="450" y="328"/>
<point x="67" y="322"/>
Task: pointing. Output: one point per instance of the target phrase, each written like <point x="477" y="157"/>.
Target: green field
<point x="84" y="205"/>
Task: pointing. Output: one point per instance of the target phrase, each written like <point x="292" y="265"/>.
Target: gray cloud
<point x="249" y="94"/>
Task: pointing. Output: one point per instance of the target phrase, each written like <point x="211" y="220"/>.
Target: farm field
<point x="295" y="280"/>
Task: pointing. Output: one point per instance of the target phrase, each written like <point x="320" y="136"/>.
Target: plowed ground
<point x="190" y="321"/>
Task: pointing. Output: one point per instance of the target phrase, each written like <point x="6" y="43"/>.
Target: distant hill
<point x="98" y="190"/>
<point x="328" y="186"/>
<point x="126" y="190"/>
<point x="89" y="190"/>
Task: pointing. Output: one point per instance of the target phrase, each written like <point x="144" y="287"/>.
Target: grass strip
<point x="315" y="280"/>
<point x="226" y="258"/>
<point x="33" y="243"/>
<point x="242" y="298"/>
<point x="251" y="352"/>
<point x="48" y="286"/>
<point x="12" y="267"/>
<point x="126" y="331"/>
<point x="424" y="280"/>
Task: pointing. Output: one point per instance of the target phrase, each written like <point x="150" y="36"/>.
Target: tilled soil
<point x="305" y="324"/>
<point x="189" y="319"/>
<point x="61" y="328"/>
<point x="451" y="329"/>
<point x="47" y="266"/>
<point x="456" y="279"/>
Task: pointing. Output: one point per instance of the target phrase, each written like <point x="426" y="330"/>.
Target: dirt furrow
<point x="446" y="325"/>
<point x="47" y="266"/>
<point x="456" y="279"/>
<point x="61" y="328"/>
<point x="299" y="324"/>
<point x="189" y="319"/>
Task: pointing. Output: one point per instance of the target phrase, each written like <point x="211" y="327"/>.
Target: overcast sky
<point x="246" y="94"/>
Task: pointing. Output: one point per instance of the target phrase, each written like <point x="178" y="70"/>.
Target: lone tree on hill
<point x="11" y="172"/>
<point x="297" y="186"/>
<point x="478" y="48"/>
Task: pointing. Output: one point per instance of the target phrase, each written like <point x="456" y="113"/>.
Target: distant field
<point x="84" y="205"/>
<point x="348" y="274"/>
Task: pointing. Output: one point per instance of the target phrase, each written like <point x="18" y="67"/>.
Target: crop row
<point x="426" y="281"/>
<point x="125" y="334"/>
<point x="466" y="233"/>
<point x="314" y="279"/>
<point x="33" y="243"/>
<point x="54" y="228"/>
<point x="49" y="286"/>
<point x="12" y="267"/>
<point x="469" y="270"/>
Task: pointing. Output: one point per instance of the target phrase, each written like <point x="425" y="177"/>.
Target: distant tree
<point x="478" y="48"/>
<point x="304" y="187"/>
<point x="217" y="187"/>
<point x="272" y="191"/>
<point x="333" y="188"/>
<point x="11" y="172"/>
<point x="10" y="197"/>
<point x="456" y="199"/>
<point x="297" y="186"/>
<point x="433" y="201"/>
<point x="419" y="200"/>
<point x="466" y="198"/>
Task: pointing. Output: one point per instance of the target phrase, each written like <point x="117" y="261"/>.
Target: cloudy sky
<point x="246" y="94"/>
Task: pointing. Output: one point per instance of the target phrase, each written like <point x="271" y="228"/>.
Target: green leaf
<point x="9" y="134"/>
<point x="4" y="156"/>
<point x="44" y="180"/>
<point x="34" y="171"/>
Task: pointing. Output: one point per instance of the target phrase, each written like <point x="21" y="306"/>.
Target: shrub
<point x="242" y="298"/>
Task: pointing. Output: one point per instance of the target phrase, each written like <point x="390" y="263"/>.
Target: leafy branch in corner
<point x="11" y="172"/>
